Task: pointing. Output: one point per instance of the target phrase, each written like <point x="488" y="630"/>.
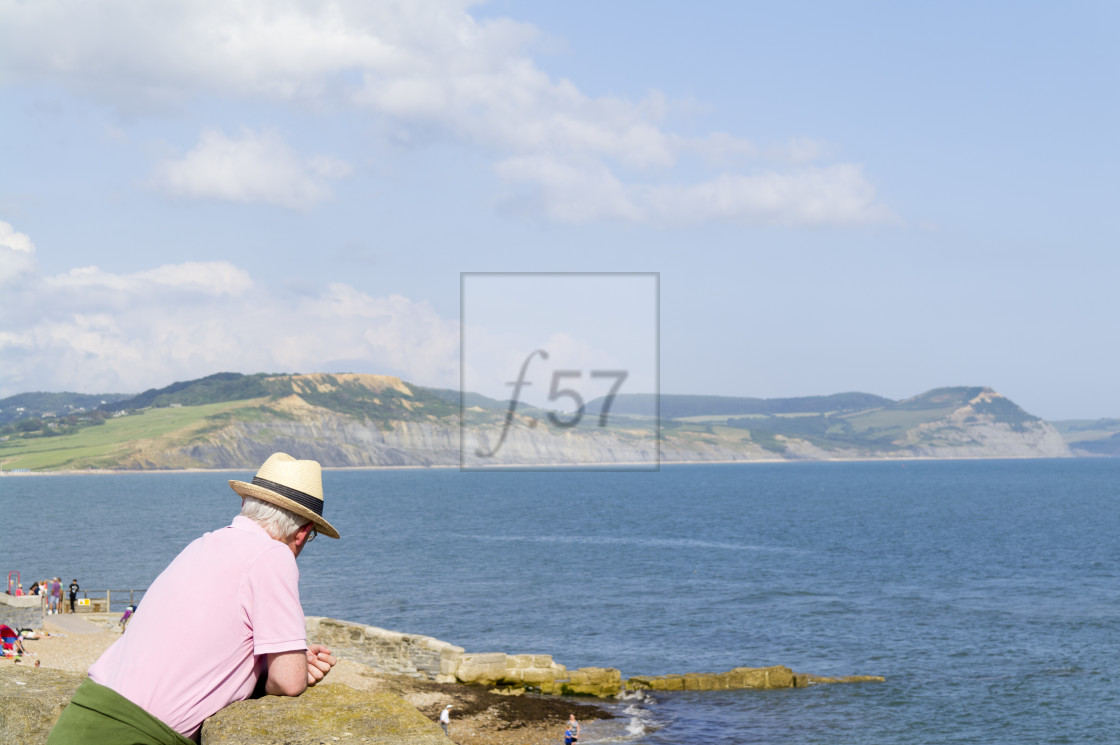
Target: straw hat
<point x="295" y="485"/>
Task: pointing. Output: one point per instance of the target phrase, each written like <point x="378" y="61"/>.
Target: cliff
<point x="965" y="423"/>
<point x="373" y="420"/>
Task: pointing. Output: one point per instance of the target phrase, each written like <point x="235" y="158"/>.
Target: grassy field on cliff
<point x="103" y="446"/>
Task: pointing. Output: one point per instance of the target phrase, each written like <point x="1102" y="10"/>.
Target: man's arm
<point x="290" y="673"/>
<point x="287" y="673"/>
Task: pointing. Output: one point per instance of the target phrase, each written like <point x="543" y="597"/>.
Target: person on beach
<point x="11" y="641"/>
<point x="56" y="595"/>
<point x="573" y="727"/>
<point x="445" y="719"/>
<point x="126" y="617"/>
<point x="74" y="588"/>
<point x="221" y="622"/>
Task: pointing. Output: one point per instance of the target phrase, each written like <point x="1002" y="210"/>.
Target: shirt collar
<point x="243" y="523"/>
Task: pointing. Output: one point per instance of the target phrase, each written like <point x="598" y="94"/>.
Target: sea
<point x="984" y="591"/>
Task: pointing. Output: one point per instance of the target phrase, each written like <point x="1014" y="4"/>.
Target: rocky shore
<point x="392" y="681"/>
<point x="480" y="716"/>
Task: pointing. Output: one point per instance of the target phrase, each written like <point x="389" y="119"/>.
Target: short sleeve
<point x="275" y="613"/>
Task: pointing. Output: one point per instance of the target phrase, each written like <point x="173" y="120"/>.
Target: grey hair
<point x="278" y="522"/>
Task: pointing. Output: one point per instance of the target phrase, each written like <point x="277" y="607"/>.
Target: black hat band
<point x="301" y="498"/>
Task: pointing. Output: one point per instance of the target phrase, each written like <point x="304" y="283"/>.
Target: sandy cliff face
<point x="988" y="440"/>
<point x="339" y="440"/>
<point x="976" y="430"/>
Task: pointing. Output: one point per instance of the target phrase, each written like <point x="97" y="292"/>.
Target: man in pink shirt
<point x="221" y="621"/>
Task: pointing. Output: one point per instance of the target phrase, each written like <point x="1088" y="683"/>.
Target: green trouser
<point x="100" y="716"/>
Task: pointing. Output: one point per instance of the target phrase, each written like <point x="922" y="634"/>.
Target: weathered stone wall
<point x="486" y="668"/>
<point x="388" y="651"/>
<point x="592" y="681"/>
<point x="425" y="657"/>
<point x="776" y="676"/>
<point x="24" y="612"/>
<point x="535" y="670"/>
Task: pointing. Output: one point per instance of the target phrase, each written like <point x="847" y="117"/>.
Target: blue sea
<point x="986" y="592"/>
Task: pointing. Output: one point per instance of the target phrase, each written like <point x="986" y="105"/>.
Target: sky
<point x="885" y="197"/>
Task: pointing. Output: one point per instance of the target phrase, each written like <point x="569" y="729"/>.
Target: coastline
<point x="629" y="467"/>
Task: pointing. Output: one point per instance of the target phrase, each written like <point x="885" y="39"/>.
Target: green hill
<point x="38" y="405"/>
<point x="209" y="390"/>
<point x="886" y="426"/>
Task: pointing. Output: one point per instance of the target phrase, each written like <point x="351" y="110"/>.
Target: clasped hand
<point x="319" y="663"/>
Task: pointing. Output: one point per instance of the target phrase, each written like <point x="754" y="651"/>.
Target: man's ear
<point x="299" y="539"/>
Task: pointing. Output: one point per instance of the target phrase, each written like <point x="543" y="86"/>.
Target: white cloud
<point x="830" y="195"/>
<point x="17" y="254"/>
<point x="198" y="278"/>
<point x="110" y="332"/>
<point x="422" y="70"/>
<point x="801" y="150"/>
<point x="567" y="192"/>
<point x="168" y="51"/>
<point x="253" y="168"/>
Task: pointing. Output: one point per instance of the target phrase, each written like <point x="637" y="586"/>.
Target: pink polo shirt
<point x="196" y="642"/>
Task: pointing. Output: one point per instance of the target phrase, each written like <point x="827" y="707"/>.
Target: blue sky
<point x="883" y="197"/>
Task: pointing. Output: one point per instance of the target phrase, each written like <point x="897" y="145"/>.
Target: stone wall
<point x="775" y="676"/>
<point x="388" y="651"/>
<point x="24" y="612"/>
<point x="426" y="657"/>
